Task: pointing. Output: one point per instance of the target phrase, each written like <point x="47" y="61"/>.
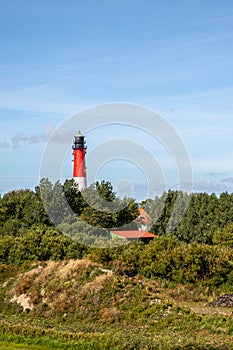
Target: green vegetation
<point x="205" y="214"/>
<point x="79" y="304"/>
<point x="59" y="293"/>
<point x="48" y="344"/>
<point x="28" y="234"/>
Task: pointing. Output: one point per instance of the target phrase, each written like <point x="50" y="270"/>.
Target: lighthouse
<point x="79" y="170"/>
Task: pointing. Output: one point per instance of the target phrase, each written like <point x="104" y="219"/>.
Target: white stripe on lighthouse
<point x="81" y="182"/>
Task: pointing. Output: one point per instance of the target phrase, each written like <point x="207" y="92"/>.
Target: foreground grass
<point x="25" y="346"/>
<point x="78" y="305"/>
<point x="14" y="346"/>
<point x="172" y="333"/>
<point x="13" y="342"/>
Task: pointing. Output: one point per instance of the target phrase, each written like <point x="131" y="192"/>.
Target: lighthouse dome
<point x="79" y="141"/>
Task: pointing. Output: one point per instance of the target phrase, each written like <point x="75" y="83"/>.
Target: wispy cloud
<point x="20" y="140"/>
<point x="61" y="136"/>
<point x="228" y="180"/>
<point x="215" y="174"/>
<point x="212" y="174"/>
<point x="142" y="190"/>
<point x="210" y="186"/>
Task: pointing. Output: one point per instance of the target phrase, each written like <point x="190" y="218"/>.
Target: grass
<point x="76" y="305"/>
<point x="14" y="346"/>
<point x="50" y="346"/>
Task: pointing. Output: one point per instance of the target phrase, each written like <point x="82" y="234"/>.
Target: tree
<point x="224" y="236"/>
<point x="105" y="210"/>
<point x="74" y="196"/>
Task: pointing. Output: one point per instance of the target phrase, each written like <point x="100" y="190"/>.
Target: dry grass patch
<point x="60" y="285"/>
<point x="72" y="267"/>
<point x="111" y="314"/>
<point x="96" y="285"/>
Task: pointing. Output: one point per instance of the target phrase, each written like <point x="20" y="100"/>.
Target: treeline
<point x="56" y="222"/>
<point x="172" y="260"/>
<point x="208" y="218"/>
<point x="200" y="248"/>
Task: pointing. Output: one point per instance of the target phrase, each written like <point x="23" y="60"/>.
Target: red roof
<point x="143" y="215"/>
<point x="134" y="234"/>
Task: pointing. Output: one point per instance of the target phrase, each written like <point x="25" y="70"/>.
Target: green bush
<point x="170" y="259"/>
<point x="224" y="236"/>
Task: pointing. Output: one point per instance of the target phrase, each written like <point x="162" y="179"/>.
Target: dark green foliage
<point x="118" y="301"/>
<point x="183" y="255"/>
<point x="224" y="236"/>
<point x="160" y="211"/>
<point x="170" y="259"/>
<point x="20" y="210"/>
<point x="127" y="261"/>
<point x="105" y="210"/>
<point x="105" y="190"/>
<point x="38" y="243"/>
<point x="27" y="220"/>
<point x="200" y="221"/>
<point x="203" y="216"/>
<point x="73" y="196"/>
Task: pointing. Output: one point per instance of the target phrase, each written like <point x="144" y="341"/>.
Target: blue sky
<point x="59" y="57"/>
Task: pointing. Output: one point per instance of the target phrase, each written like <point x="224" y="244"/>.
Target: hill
<point x="59" y="293"/>
<point x="79" y="304"/>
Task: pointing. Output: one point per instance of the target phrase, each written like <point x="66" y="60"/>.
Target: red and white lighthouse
<point x="79" y="170"/>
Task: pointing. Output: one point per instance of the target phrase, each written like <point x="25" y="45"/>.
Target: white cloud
<point x="228" y="180"/>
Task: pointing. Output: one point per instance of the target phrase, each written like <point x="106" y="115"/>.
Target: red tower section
<point x="79" y="169"/>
